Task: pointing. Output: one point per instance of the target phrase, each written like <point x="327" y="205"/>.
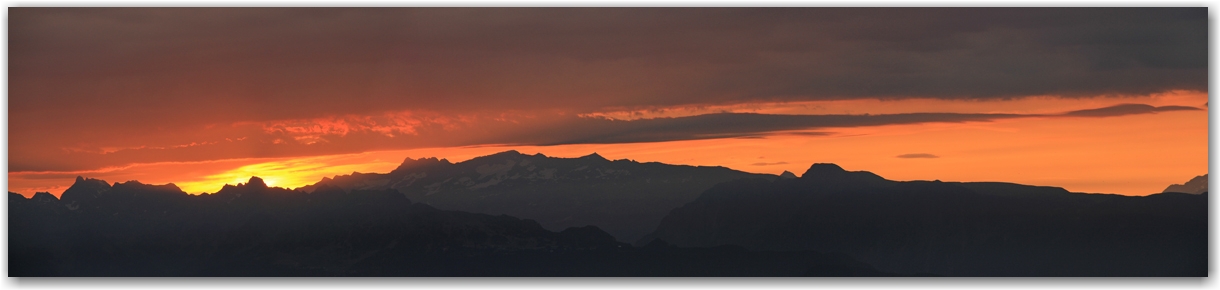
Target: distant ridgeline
<point x="1197" y="185"/>
<point x="134" y="229"/>
<point x="430" y="217"/>
<point x="951" y="228"/>
<point x="625" y="198"/>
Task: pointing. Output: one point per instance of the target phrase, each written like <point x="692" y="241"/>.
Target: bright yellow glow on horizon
<point x="290" y="172"/>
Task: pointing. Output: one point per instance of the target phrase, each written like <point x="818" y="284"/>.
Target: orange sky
<point x="1093" y="100"/>
<point x="1133" y="154"/>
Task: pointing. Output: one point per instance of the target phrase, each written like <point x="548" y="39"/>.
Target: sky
<point x="1099" y="100"/>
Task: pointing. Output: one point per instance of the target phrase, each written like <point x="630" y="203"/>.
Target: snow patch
<point x="485" y="184"/>
<point x="548" y="173"/>
<point x="409" y="179"/>
<point x="436" y="187"/>
<point x="497" y="169"/>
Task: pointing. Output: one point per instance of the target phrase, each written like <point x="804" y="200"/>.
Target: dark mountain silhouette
<point x="625" y="198"/>
<point x="787" y="175"/>
<point x="135" y="229"/>
<point x="1197" y="185"/>
<point x="828" y="222"/>
<point x="949" y="228"/>
<point x="84" y="189"/>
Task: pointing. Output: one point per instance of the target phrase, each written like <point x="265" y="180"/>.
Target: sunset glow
<point x="363" y="105"/>
<point x="1080" y="154"/>
<point x="608" y="141"/>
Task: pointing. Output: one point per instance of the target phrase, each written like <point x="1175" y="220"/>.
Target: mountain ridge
<point x="1196" y="185"/>
<point x="624" y="197"/>
<point x="250" y="229"/>
<point x="950" y="228"/>
<point x="903" y="227"/>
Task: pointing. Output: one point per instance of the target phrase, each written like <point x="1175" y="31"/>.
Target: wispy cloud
<point x="1127" y="109"/>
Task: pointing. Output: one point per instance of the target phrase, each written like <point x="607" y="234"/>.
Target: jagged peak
<point x="1196" y="185"/>
<point x="90" y="182"/>
<point x="509" y="152"/>
<point x="823" y="169"/>
<point x="137" y="184"/>
<point x="84" y="189"/>
<point x="594" y="156"/>
<point x="43" y="196"/>
<point x="497" y="157"/>
<point x="430" y="160"/>
<point x="410" y="163"/>
<point x="255" y="181"/>
<point x="822" y="172"/>
<point x="255" y="186"/>
<point x="504" y="154"/>
<point x="14" y="197"/>
<point x="787" y="175"/>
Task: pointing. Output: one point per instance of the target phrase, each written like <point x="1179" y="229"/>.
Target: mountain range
<point x="135" y="229"/>
<point x="950" y="228"/>
<point x="625" y="198"/>
<point x="1197" y="185"/>
<point x="511" y="214"/>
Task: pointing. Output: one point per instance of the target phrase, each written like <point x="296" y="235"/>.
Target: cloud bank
<point x="183" y="84"/>
<point x="353" y="134"/>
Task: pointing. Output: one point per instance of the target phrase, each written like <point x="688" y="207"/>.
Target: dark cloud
<point x="251" y="62"/>
<point x="917" y="155"/>
<point x="162" y="77"/>
<point x="801" y="133"/>
<point x="535" y="130"/>
<point x="1127" y="109"/>
<point x="548" y="130"/>
<point x="721" y="125"/>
